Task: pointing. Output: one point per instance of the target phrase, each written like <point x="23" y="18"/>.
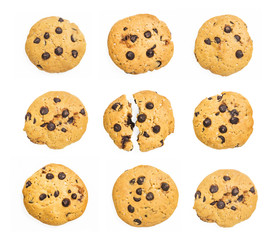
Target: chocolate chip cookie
<point x="223" y="121"/>
<point x="55" y="195"/>
<point x="55" y="45"/>
<point x="140" y="43"/>
<point x="223" y="45"/>
<point x="56" y="119"/>
<point x="226" y="197"/>
<point x="145" y="196"/>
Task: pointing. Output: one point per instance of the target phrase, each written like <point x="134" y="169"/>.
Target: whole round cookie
<point x="226" y="197"/>
<point x="56" y="119"/>
<point x="223" y="121"/>
<point x="145" y="196"/>
<point x="55" y="45"/>
<point x="155" y="119"/>
<point x="55" y="195"/>
<point x="223" y="45"/>
<point x="140" y="43"/>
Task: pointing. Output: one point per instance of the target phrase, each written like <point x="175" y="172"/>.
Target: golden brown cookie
<point x="56" y="119"/>
<point x="223" y="45"/>
<point x="224" y="121"/>
<point x="226" y="197"/>
<point x="55" y="45"/>
<point x="140" y="43"/>
<point x="145" y="196"/>
<point x="55" y="195"/>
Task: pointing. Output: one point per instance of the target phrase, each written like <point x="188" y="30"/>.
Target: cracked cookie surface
<point x="145" y="196"/>
<point x="223" y="45"/>
<point x="140" y="43"/>
<point x="223" y="121"/>
<point x="226" y="197"/>
<point x="55" y="195"/>
<point x="55" y="45"/>
<point x="56" y="119"/>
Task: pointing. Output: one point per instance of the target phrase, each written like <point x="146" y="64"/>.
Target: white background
<point x="97" y="82"/>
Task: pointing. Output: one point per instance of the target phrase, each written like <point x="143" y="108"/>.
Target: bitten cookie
<point x="223" y="45"/>
<point x="55" y="45"/>
<point x="55" y="195"/>
<point x="223" y="121"/>
<point x="56" y="119"/>
<point x="226" y="197"/>
<point x="118" y="124"/>
<point x="140" y="43"/>
<point x="155" y="119"/>
<point x="145" y="196"/>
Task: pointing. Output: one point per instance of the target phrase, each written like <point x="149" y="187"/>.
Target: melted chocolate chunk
<point x="140" y="180"/>
<point x="213" y="188"/>
<point x="150" y="196"/>
<point x="49" y="176"/>
<point x="117" y="127"/>
<point x="130" y="209"/>
<point x="61" y="175"/>
<point x="66" y="202"/>
<point x="130" y="55"/>
<point x="165" y="186"/>
<point x="207" y="122"/>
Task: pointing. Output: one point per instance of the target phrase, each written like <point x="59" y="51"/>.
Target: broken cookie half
<point x="155" y="121"/>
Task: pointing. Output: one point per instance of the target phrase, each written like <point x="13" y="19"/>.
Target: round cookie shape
<point x="56" y="119"/>
<point x="55" y="195"/>
<point x="155" y="119"/>
<point x="55" y="45"/>
<point x="145" y="196"/>
<point x="226" y="197"/>
<point x="223" y="45"/>
<point x="223" y="121"/>
<point x="140" y="43"/>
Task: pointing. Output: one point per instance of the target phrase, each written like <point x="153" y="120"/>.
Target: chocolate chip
<point x="237" y="37"/>
<point x="56" y="100"/>
<point x="58" y="30"/>
<point x="158" y="63"/>
<point x="233" y="208"/>
<point x="44" y="110"/>
<point x="223" y="108"/>
<point x="49" y="176"/>
<point x="156" y="129"/>
<point x="204" y="199"/>
<point x="226" y="178"/>
<point x="61" y="20"/>
<point x="45" y="56"/>
<point x="235" y="191"/>
<point x="46" y="35"/>
<point x="56" y="193"/>
<point x="39" y="66"/>
<point x="64" y="130"/>
<point x="117" y="127"/>
<point x="217" y="40"/>
<point x="240" y="198"/>
<point x="66" y="202"/>
<point x="234" y="112"/>
<point x="82" y="111"/>
<point x="210" y="98"/>
<point x="61" y="175"/>
<point x="196" y="114"/>
<point x="150" y="53"/>
<point x="58" y="51"/>
<point x="216" y="114"/>
<point x="155" y="30"/>
<point x="133" y="38"/>
<point x="139" y="191"/>
<point x="129" y="121"/>
<point x="28" y="115"/>
<point x="74" y="196"/>
<point x="223" y="129"/>
<point x="72" y="38"/>
<point x="207" y="41"/>
<point x="220" y="204"/>
<point x="125" y="28"/>
<point x="130" y="55"/>
<point x="162" y="142"/>
<point x="149" y="105"/>
<point x="115" y="105"/>
<point x="145" y="134"/>
<point x="70" y="121"/>
<point x="130" y="209"/>
<point x="239" y="54"/>
<point x="69" y="191"/>
<point x="234" y="120"/>
<point x="142" y="118"/>
<point x="207" y="122"/>
<point x="147" y="34"/>
<point x="213" y="188"/>
<point x="74" y="53"/>
<point x="198" y="194"/>
<point x="137" y="221"/>
<point x="140" y="180"/>
<point x="132" y="181"/>
<point x="43" y="125"/>
<point x="150" y="196"/>
<point x="222" y="139"/>
<point x="51" y="126"/>
<point x="28" y="184"/>
<point x="125" y="139"/>
<point x="213" y="203"/>
<point x="37" y="40"/>
<point x="219" y="98"/>
<point x="42" y="196"/>
<point x="165" y="186"/>
<point x="65" y="113"/>
<point x="252" y="190"/>
<point x="227" y="29"/>
<point x="34" y="121"/>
